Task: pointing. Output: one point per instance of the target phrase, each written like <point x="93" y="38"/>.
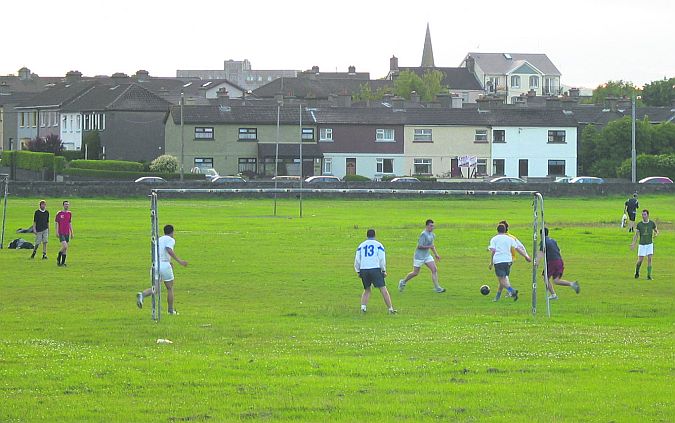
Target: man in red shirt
<point x="64" y="230"/>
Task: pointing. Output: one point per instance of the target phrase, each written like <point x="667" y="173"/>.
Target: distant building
<point x="239" y="72"/>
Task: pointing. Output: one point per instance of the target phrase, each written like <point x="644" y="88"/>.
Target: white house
<point x="71" y="131"/>
<point x="533" y="143"/>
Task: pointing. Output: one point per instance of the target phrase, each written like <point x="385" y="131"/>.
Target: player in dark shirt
<point x="554" y="266"/>
<point x="41" y="229"/>
<point x="630" y="208"/>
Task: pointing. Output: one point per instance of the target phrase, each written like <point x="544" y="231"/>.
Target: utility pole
<point x="182" y="137"/>
<point x="633" y="173"/>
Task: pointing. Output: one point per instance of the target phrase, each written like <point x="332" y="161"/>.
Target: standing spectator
<point x="64" y="230"/>
<point x="41" y="229"/>
<point x="646" y="230"/>
<point x="630" y="208"/>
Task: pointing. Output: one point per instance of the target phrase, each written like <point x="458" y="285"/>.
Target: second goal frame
<point x="537" y="223"/>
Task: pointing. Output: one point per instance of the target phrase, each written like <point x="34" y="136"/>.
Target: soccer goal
<point x="5" y="189"/>
<point x="537" y="221"/>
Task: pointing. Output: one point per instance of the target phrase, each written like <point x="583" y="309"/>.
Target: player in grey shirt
<point x="423" y="256"/>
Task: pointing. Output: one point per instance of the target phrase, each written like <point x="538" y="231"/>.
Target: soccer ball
<point x="484" y="289"/>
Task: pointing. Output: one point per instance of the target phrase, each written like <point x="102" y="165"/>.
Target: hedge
<point x="96" y="174"/>
<point x="109" y="165"/>
<point x="355" y="178"/>
<point x="71" y="155"/>
<point x="649" y="165"/>
<point x="30" y="160"/>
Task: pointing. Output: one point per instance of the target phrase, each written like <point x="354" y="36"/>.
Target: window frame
<point x="247" y="162"/>
<point x="423" y="162"/>
<point x="204" y="160"/>
<point x="535" y="79"/>
<point x="204" y="130"/>
<point x="480" y="132"/>
<point x="481" y="164"/>
<point x="327" y="166"/>
<point x="324" y="135"/>
<point x="494" y="167"/>
<point x="422" y="136"/>
<point x="380" y="165"/>
<point x="307" y="131"/>
<point x="554" y="133"/>
<point x="381" y="132"/>
<point x="559" y="162"/>
<point x="515" y="81"/>
<point x="500" y="140"/>
<point x="247" y="131"/>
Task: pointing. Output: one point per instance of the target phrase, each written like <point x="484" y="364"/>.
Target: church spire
<point x="428" y="55"/>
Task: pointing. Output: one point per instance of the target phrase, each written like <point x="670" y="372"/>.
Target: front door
<point x="455" y="170"/>
<point x="522" y="168"/>
<point x="351" y="166"/>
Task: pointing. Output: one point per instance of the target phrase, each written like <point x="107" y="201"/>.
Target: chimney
<point x="623" y="104"/>
<point x="119" y="76"/>
<point x="345" y="100"/>
<point x="398" y="102"/>
<point x="470" y="64"/>
<point x="315" y="69"/>
<point x="24" y="73"/>
<point x="142" y="75"/>
<point x="456" y="101"/>
<point x="445" y="100"/>
<point x="393" y="63"/>
<point x="4" y="88"/>
<point x="532" y="93"/>
<point x="574" y="92"/>
<point x="223" y="96"/>
<point x="553" y="103"/>
<point x="611" y="103"/>
<point x="352" y="70"/>
<point x="73" y="76"/>
<point x="414" y="97"/>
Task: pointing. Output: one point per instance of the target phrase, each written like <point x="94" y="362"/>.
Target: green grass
<point x="269" y="327"/>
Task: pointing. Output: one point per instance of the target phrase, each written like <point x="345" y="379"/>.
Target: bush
<point x="96" y="174"/>
<point x="164" y="164"/>
<point x="92" y="143"/>
<point x="649" y="165"/>
<point x="71" y="155"/>
<point x="114" y="165"/>
<point x="355" y="178"/>
<point x="29" y="160"/>
<point x="50" y="144"/>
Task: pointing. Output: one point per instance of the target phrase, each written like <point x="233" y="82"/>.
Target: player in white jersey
<point x="166" y="244"/>
<point x="370" y="263"/>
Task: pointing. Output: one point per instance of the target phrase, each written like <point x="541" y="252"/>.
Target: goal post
<point x="537" y="220"/>
<point x="5" y="189"/>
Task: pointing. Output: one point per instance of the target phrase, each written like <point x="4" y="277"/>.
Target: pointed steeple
<point x="428" y="55"/>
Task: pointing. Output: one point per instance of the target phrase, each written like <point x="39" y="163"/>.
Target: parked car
<point x="211" y="174"/>
<point x="656" y="180"/>
<point x="227" y="180"/>
<point x="507" y="180"/>
<point x="150" y="180"/>
<point x="405" y="179"/>
<point x="587" y="180"/>
<point x="286" y="178"/>
<point x="562" y="180"/>
<point x="322" y="179"/>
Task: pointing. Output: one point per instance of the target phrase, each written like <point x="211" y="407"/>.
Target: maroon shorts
<point x="555" y="268"/>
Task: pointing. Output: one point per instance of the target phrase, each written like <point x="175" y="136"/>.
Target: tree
<point x="50" y="144"/>
<point x="619" y="89"/>
<point x="164" y="164"/>
<point x="92" y="144"/>
<point x="427" y="86"/>
<point x="659" y="93"/>
<point x="366" y="93"/>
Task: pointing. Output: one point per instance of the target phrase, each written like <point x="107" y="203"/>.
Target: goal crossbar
<point x="537" y="222"/>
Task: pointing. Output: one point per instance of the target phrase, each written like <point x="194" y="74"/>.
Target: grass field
<point x="269" y="326"/>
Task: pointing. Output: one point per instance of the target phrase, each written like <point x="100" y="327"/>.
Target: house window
<point x="79" y="123"/>
<point x="34" y="119"/>
<point x="480" y="136"/>
<point x="556" y="137"/>
<point x="499" y="135"/>
<point x="43" y="117"/>
<point x="498" y="167"/>
<point x="203" y="133"/>
<point x="422" y="166"/>
<point x="534" y="82"/>
<point x="204" y="163"/>
<point x="515" y="81"/>
<point x="422" y="135"/>
<point x="22" y="119"/>
<point x="65" y="123"/>
<point x="328" y="166"/>
<point x="385" y="166"/>
<point x="481" y="167"/>
<point x="326" y="134"/>
<point x="55" y="119"/>
<point x="307" y="134"/>
<point x="384" y="135"/>
<point x="556" y="167"/>
<point x="493" y="83"/>
<point x="248" y="164"/>
<point x="248" y="134"/>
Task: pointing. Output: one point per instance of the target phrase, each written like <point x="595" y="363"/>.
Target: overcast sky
<point x="590" y="41"/>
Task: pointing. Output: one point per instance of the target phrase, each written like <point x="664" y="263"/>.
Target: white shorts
<point x="645" y="250"/>
<point x="165" y="271"/>
<point x="419" y="263"/>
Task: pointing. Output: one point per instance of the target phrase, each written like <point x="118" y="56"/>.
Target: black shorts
<point x="64" y="238"/>
<point x="502" y="269"/>
<point x="372" y="277"/>
<point x="631" y="215"/>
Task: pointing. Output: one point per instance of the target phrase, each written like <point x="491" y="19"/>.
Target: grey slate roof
<point x="455" y="78"/>
<point x="248" y="114"/>
<point x="58" y="95"/>
<point x="529" y="117"/>
<point x="497" y="63"/>
<point x="32" y="85"/>
<point x="320" y="88"/>
<point x="131" y="97"/>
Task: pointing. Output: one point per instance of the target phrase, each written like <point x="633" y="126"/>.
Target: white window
<point x="515" y="81"/>
<point x="422" y="135"/>
<point x="499" y="135"/>
<point x="42" y="119"/>
<point x="204" y="163"/>
<point x="203" y="133"/>
<point x="385" y="166"/>
<point x="556" y="137"/>
<point x="247" y="134"/>
<point x="328" y="166"/>
<point x="79" y="123"/>
<point x="384" y="135"/>
<point x="422" y="166"/>
<point x="326" y="134"/>
<point x="481" y="167"/>
<point x="534" y="82"/>
<point x="307" y="134"/>
<point x="65" y="123"/>
<point x="480" y="136"/>
<point x="248" y="165"/>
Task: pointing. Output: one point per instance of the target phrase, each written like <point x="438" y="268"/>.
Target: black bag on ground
<point x="21" y="244"/>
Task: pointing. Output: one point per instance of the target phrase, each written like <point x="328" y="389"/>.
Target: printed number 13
<point x="369" y="250"/>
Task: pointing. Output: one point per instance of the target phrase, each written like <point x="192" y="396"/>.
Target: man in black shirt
<point x="554" y="266"/>
<point x="41" y="229"/>
<point x="630" y="208"/>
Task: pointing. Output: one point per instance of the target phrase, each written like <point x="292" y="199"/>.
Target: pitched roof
<point x="528" y="117"/>
<point x="117" y="97"/>
<point x="58" y="95"/>
<point x="455" y="78"/>
<point x="498" y="63"/>
<point x="34" y="84"/>
<point x="251" y="114"/>
<point x="320" y="88"/>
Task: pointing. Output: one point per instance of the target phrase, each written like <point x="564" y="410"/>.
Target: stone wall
<point x="118" y="189"/>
